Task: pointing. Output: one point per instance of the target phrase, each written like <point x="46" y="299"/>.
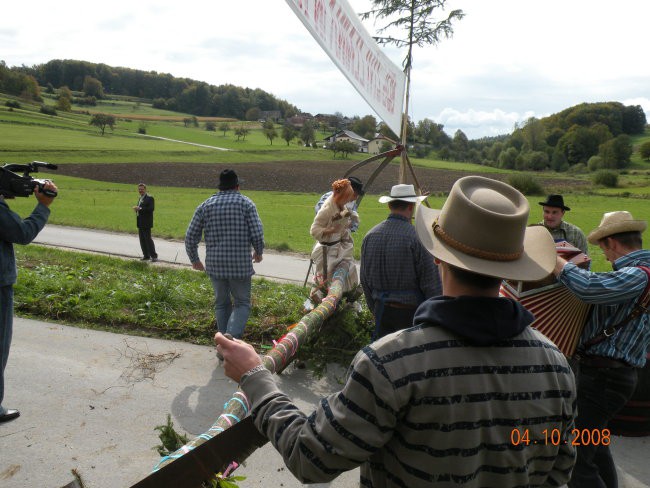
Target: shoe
<point x="9" y="415"/>
<point x="153" y="260"/>
<point x="144" y="259"/>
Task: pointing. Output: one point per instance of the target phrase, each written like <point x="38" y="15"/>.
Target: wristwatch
<point x="252" y="371"/>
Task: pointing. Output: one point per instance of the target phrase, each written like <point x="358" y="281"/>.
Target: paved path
<point x="288" y="267"/>
<point x="89" y="400"/>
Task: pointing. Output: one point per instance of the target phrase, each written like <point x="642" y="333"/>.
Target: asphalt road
<point x="286" y="267"/>
<point x="90" y="400"/>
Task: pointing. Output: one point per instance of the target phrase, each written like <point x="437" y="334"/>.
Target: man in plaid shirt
<point x="561" y="230"/>
<point x="231" y="226"/>
<point x="397" y="272"/>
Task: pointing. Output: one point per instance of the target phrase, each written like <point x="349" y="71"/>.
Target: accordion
<point x="559" y="315"/>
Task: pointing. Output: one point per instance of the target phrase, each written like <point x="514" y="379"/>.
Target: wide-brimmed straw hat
<point x="406" y="193"/>
<point x="482" y="228"/>
<point x="615" y="223"/>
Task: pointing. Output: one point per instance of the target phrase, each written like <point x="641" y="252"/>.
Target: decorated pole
<point x="238" y="407"/>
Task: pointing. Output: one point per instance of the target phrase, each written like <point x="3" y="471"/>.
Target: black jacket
<point x="145" y="214"/>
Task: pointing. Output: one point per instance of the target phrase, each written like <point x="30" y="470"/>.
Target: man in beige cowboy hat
<point x="469" y="396"/>
<point x="397" y="272"/>
<point x="614" y="341"/>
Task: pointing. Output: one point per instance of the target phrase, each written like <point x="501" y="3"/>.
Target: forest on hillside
<point x="162" y="89"/>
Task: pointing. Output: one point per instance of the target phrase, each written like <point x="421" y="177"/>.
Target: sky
<point x="507" y="61"/>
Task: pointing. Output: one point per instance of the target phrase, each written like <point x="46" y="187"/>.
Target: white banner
<point x="340" y="33"/>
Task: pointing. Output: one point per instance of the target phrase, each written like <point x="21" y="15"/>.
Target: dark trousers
<point x="602" y="392"/>
<point x="392" y="319"/>
<point x="6" y="329"/>
<point x="146" y="243"/>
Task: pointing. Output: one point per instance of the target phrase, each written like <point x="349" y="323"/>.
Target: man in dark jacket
<point x="144" y="218"/>
<point x="15" y="230"/>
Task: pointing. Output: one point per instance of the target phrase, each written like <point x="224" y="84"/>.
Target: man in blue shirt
<point x="15" y="230"/>
<point x="231" y="226"/>
<point x="397" y="272"/>
<point x="612" y="346"/>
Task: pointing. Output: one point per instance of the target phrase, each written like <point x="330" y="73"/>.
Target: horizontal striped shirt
<point x="614" y="295"/>
<point x="231" y="227"/>
<point x="424" y="408"/>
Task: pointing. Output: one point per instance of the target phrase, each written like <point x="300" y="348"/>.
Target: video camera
<point x="14" y="185"/>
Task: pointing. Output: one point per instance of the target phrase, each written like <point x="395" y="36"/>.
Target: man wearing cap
<point x="614" y="341"/>
<point x="462" y="398"/>
<point x="397" y="272"/>
<point x="357" y="186"/>
<point x="231" y="227"/>
<point x="554" y="210"/>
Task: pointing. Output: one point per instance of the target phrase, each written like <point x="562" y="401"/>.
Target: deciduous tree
<point x="102" y="121"/>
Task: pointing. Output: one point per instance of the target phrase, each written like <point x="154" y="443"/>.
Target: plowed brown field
<point x="296" y="176"/>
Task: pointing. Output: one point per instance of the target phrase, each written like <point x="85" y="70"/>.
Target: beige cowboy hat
<point x="615" y="223"/>
<point x="482" y="228"/>
<point x="406" y="193"/>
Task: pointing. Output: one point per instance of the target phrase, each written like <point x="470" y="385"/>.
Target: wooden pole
<point x="275" y="361"/>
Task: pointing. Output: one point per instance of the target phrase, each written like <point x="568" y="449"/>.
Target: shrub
<point x="595" y="163"/>
<point x="526" y="184"/>
<point x="12" y="104"/>
<point x="210" y="126"/>
<point x="47" y="110"/>
<point x="606" y="178"/>
<point x="577" y="169"/>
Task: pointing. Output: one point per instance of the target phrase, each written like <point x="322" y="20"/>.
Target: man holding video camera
<point x="15" y="230"/>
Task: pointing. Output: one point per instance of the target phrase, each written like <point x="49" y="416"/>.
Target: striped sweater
<point x="450" y="402"/>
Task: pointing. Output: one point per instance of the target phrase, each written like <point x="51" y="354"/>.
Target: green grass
<point x="174" y="303"/>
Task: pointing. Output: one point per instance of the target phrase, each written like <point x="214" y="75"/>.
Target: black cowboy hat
<point x="357" y="186"/>
<point x="555" y="201"/>
<point x="228" y="180"/>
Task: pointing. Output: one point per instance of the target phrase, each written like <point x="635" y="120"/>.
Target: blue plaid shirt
<point x="230" y="224"/>
<point x="614" y="294"/>
<point x="394" y="262"/>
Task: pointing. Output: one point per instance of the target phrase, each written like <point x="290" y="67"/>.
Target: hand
<point x="43" y="198"/>
<point x="136" y="208"/>
<point x="257" y="257"/>
<point x="238" y="356"/>
<point x="198" y="266"/>
<point x="559" y="265"/>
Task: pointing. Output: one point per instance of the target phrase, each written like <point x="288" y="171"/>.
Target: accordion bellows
<point x="559" y="315"/>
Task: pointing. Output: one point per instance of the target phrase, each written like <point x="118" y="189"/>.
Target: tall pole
<point x="405" y="115"/>
<point x="405" y="118"/>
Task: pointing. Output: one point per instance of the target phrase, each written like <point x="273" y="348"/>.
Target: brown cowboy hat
<point x="482" y="228"/>
<point x="615" y="223"/>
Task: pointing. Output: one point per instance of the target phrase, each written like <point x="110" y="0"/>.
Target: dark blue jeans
<point x="602" y="392"/>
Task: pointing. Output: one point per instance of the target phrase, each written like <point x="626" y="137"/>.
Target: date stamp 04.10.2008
<point x="577" y="437"/>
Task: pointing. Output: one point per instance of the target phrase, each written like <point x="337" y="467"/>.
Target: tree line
<point x="166" y="91"/>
